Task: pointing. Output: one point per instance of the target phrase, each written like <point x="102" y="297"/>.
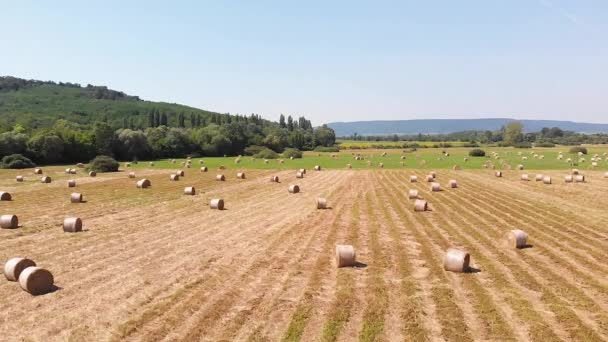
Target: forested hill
<point x="38" y="104"/>
<point x="444" y="126"/>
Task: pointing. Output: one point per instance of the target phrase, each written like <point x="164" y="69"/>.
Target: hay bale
<point x="525" y="177"/>
<point x="517" y="238"/>
<point x="303" y="171"/>
<point x="520" y="167"/>
<point x="80" y="165"/>
<point x="14" y="266"/>
<point x="143" y="183"/>
<point x="131" y="174"/>
<point x="381" y="165"/>
<point x="321" y="203"/>
<point x="174" y="177"/>
<point x="606" y="175"/>
<point x="220" y="178"/>
<point x="9" y="221"/>
<point x="453" y="184"/>
<point x="72" y="171"/>
<point x="349" y="166"/>
<point x="37" y="171"/>
<point x="413" y="179"/>
<point x="498" y="174"/>
<point x="456" y="260"/>
<point x="317" y="168"/>
<point x="433" y="174"/>
<point x="190" y="190"/>
<point x="67" y="170"/>
<point x="151" y="164"/>
<point x="569" y="179"/>
<point x="222" y="167"/>
<point x="127" y="164"/>
<point x="345" y="255"/>
<point x="412" y="194"/>
<point x="92" y="174"/>
<point x="173" y="161"/>
<point x="76" y="197"/>
<point x="435" y="187"/>
<point x="575" y="172"/>
<point x="72" y="225"/>
<point x="456" y="168"/>
<point x="420" y="205"/>
<point x="180" y="173"/>
<point x="547" y="180"/>
<point x="539" y="177"/>
<point x="579" y="179"/>
<point x="5" y="196"/>
<point x="294" y="189"/>
<point x="19" y="178"/>
<point x="201" y="161"/>
<point x="429" y="178"/>
<point x="274" y="179"/>
<point x="71" y="183"/>
<point x="240" y="175"/>
<point x="299" y="174"/>
<point x="183" y="163"/>
<point x="45" y="179"/>
<point x="36" y="280"/>
<point x="204" y="169"/>
<point x="217" y="203"/>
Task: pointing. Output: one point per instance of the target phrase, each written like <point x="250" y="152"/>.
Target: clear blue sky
<point x="328" y="60"/>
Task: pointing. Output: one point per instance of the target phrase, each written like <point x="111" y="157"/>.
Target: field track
<point x="155" y="265"/>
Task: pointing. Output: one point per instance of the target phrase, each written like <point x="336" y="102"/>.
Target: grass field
<point x="424" y="158"/>
<point x="347" y="144"/>
<point x="154" y="264"/>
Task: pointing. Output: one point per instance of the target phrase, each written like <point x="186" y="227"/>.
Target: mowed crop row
<point x="157" y="265"/>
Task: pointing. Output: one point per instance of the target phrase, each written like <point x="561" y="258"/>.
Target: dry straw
<point x="143" y="183"/>
<point x="517" y="239"/>
<point x="5" y="196"/>
<point x="220" y="178"/>
<point x="76" y="197"/>
<point x="190" y="190"/>
<point x="321" y="203"/>
<point x="14" y="266"/>
<point x="294" y="189"/>
<point x="412" y="194"/>
<point x="9" y="221"/>
<point x="36" y="280"/>
<point x="217" y="203"/>
<point x="345" y="255"/>
<point x="72" y="225"/>
<point x="420" y="205"/>
<point x="456" y="260"/>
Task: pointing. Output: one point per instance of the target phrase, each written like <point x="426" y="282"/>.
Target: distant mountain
<point x="439" y="126"/>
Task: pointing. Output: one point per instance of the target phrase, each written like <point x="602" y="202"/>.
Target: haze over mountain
<point x="434" y="126"/>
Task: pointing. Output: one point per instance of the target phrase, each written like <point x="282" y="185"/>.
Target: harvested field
<point x="156" y="265"/>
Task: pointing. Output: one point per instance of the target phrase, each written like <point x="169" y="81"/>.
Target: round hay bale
<point x="240" y="175"/>
<point x="274" y="179"/>
<point x="420" y="205"/>
<point x="435" y="186"/>
<point x="466" y="159"/>
<point x="127" y="164"/>
<point x="321" y="203"/>
<point x="220" y="178"/>
<point x="520" y="167"/>
<point x="349" y="166"/>
<point x="453" y="184"/>
<point x="575" y="172"/>
<point x="9" y="221"/>
<point x="173" y="161"/>
<point x="67" y="170"/>
<point x="181" y="173"/>
<point x="143" y="183"/>
<point x="71" y="183"/>
<point x="201" y="161"/>
<point x="412" y="194"/>
<point x="429" y="178"/>
<point x="381" y="165"/>
<point x="317" y="168"/>
<point x="517" y="238"/>
<point x="19" y="178"/>
<point x="345" y="255"/>
<point x="579" y="179"/>
<point x="547" y="180"/>
<point x="222" y="167"/>
<point x="413" y="179"/>
<point x="151" y="164"/>
<point x="174" y="177"/>
<point x="37" y="171"/>
<point x="303" y="171"/>
<point x="217" y="203"/>
<point x="433" y="174"/>
<point x="45" y="179"/>
<point x="36" y="280"/>
<point x="190" y="190"/>
<point x="525" y="177"/>
<point x="539" y="177"/>
<point x="606" y="175"/>
<point x="456" y="260"/>
<point x="76" y="197"/>
<point x="183" y="163"/>
<point x="456" y="167"/>
<point x="294" y="189"/>
<point x="299" y="174"/>
<point x="72" y="225"/>
<point x="72" y="171"/>
<point x="131" y="174"/>
<point x="80" y="165"/>
<point x="498" y="174"/>
<point x="92" y="174"/>
<point x="204" y="169"/>
<point x="14" y="266"/>
<point x="5" y="196"/>
<point x="569" y="179"/>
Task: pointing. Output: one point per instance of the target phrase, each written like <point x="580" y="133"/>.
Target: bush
<point x="544" y="144"/>
<point x="16" y="161"/>
<point x="327" y="149"/>
<point x="292" y="153"/>
<point x="522" y="145"/>
<point x="266" y="153"/>
<point x="577" y="149"/>
<point x="477" y="153"/>
<point x="103" y="164"/>
<point x="253" y="150"/>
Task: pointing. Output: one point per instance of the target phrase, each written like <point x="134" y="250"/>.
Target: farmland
<point x="153" y="264"/>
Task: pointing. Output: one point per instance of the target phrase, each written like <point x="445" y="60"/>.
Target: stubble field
<point x="154" y="264"/>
